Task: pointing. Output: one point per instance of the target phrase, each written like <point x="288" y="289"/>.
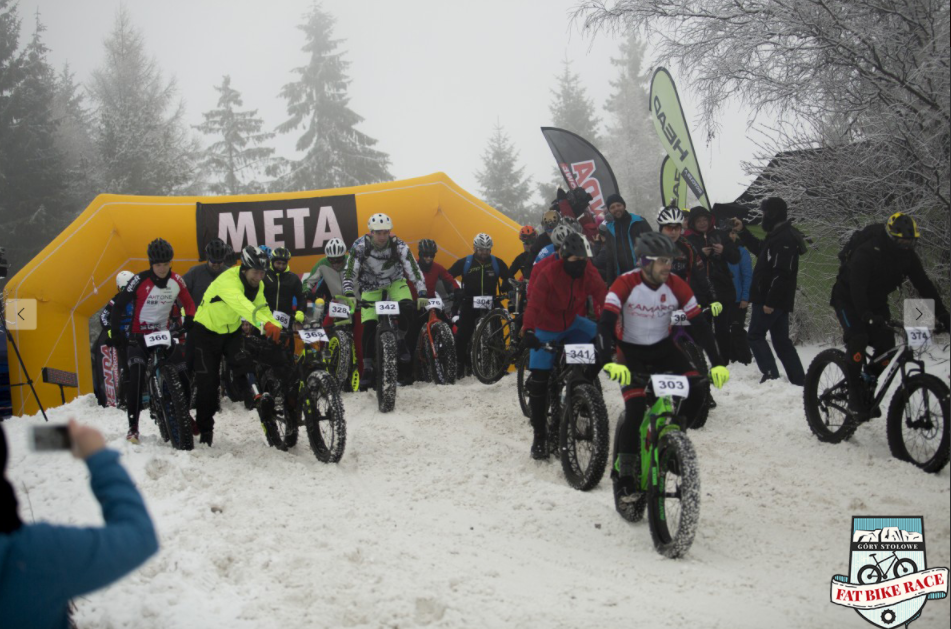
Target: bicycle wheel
<point x="674" y="502"/>
<point x="904" y="567"/>
<point x="917" y="424"/>
<point x="323" y="418"/>
<point x="555" y="410"/>
<point x="870" y="574"/>
<point x="423" y="359"/>
<point x="276" y="423"/>
<point x="826" y="397"/>
<point x="490" y="345"/>
<point x="157" y="411"/>
<point x="695" y="355"/>
<point x="522" y="384"/>
<point x="386" y="371"/>
<point x="584" y="438"/>
<point x="341" y="350"/>
<point x="444" y="363"/>
<point x="176" y="409"/>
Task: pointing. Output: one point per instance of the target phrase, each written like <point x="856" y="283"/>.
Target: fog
<point x="430" y="78"/>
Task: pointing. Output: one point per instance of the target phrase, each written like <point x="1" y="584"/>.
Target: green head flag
<point x="673" y="190"/>
<point x="671" y="127"/>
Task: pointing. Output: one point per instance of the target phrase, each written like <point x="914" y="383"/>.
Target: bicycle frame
<point x="897" y="359"/>
<point x="658" y="421"/>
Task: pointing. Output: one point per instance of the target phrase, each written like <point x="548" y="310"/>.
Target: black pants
<point x="208" y="348"/>
<point x="137" y="356"/>
<point x="660" y="358"/>
<point x="858" y="337"/>
<point x="740" y="346"/>
<point x="407" y="324"/>
<point x="722" y="331"/>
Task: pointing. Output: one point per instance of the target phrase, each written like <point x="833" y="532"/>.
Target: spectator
<point x="620" y="231"/>
<point x="773" y="290"/>
<point x="43" y="566"/>
<point x="742" y="278"/>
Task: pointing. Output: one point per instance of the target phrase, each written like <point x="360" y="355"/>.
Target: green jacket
<point x="226" y="302"/>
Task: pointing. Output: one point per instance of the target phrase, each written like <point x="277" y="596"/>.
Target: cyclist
<point x="557" y="311"/>
<point x="231" y="299"/>
<point x="326" y="278"/>
<point x="152" y="294"/>
<point x="199" y="277"/>
<point x="433" y="272"/>
<point x="379" y="261"/>
<point x="567" y="221"/>
<point x="523" y="262"/>
<point x="283" y="290"/>
<point x="872" y="270"/>
<point x="482" y="275"/>
<point x="643" y="301"/>
<point x="550" y="220"/>
<point x="557" y="238"/>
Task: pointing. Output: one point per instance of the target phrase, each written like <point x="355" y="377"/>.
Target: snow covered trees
<point x="337" y="154"/>
<point x="503" y="182"/>
<point x="237" y="153"/>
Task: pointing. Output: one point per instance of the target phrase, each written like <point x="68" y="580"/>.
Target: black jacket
<point x="198" y="279"/>
<point x="718" y="264"/>
<point x="523" y="262"/>
<point x="777" y="266"/>
<point x="874" y="270"/>
<point x="692" y="269"/>
<point x="280" y="289"/>
<point x="481" y="278"/>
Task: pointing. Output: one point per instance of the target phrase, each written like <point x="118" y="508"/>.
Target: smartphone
<point x="47" y="438"/>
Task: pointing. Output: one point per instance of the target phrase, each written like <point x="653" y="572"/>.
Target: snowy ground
<point x="436" y="516"/>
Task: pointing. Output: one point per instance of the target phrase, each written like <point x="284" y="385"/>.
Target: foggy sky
<point x="430" y="77"/>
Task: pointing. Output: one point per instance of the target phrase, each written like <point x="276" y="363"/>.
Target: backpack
<point x="468" y="265"/>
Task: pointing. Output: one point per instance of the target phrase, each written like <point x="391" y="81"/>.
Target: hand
<point x="272" y="331"/>
<point x="86" y="440"/>
<point x="618" y="373"/>
<point x="350" y="299"/>
<point x="421" y="303"/>
<point x="718" y="248"/>
<point x="716" y="308"/>
<point x="744" y="305"/>
<point x="707" y="250"/>
<point x="737" y="224"/>
<point x="188" y="322"/>
<point x="299" y="316"/>
<point x="423" y="294"/>
<point x="874" y="320"/>
<point x="719" y="376"/>
<point x="767" y="310"/>
<point x="530" y="340"/>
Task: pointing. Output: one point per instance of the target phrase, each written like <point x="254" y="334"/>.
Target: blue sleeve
<point x="746" y="274"/>
<point x="72" y="561"/>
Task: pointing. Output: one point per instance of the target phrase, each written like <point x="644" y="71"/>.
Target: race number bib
<point x="918" y="337"/>
<point x="313" y="336"/>
<point x="482" y="302"/>
<point x="282" y="318"/>
<point x="435" y="302"/>
<point x="580" y="354"/>
<point x="678" y="317"/>
<point x="158" y="338"/>
<point x="387" y="307"/>
<point x="339" y="311"/>
<point x="666" y="384"/>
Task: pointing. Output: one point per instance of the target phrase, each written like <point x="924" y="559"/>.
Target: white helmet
<point x="335" y="248"/>
<point x="559" y="234"/>
<point x="482" y="241"/>
<point x="573" y="223"/>
<point x="670" y="216"/>
<point x="123" y="278"/>
<point x="380" y="221"/>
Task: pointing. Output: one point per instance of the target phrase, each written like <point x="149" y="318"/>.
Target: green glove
<point x="299" y="316"/>
<point x="618" y="373"/>
<point x="719" y="376"/>
<point x="422" y="302"/>
<point x="350" y="299"/>
<point x="716" y="308"/>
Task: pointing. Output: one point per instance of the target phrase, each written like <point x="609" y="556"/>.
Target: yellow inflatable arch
<point x="74" y="276"/>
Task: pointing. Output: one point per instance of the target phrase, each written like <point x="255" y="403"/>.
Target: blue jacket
<point x="742" y="273"/>
<point x="620" y="243"/>
<point x="43" y="566"/>
<point x="546" y="251"/>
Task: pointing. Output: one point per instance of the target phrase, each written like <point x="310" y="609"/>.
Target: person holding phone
<point x="43" y="566"/>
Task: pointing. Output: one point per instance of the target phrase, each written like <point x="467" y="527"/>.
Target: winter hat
<point x="9" y="518"/>
<point x="614" y="198"/>
<point x="695" y="213"/>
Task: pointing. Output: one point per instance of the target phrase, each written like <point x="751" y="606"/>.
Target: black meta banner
<point x="304" y="226"/>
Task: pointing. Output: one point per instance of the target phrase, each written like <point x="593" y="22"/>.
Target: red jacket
<point x="556" y="298"/>
<point x="435" y="273"/>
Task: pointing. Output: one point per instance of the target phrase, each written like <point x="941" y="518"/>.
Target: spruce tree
<point x="237" y="155"/>
<point x="144" y="146"/>
<point x="631" y="145"/>
<point x="75" y="141"/>
<point x="503" y="182"/>
<point x="336" y="153"/>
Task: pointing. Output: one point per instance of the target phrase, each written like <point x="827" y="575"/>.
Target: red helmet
<point x="527" y="234"/>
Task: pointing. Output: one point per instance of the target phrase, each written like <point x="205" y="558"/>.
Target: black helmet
<point x="160" y="251"/>
<point x="575" y="245"/>
<point x="216" y="250"/>
<point x="655" y="245"/>
<point x="281" y="254"/>
<point x="427" y="248"/>
<point x="253" y="258"/>
<point x="902" y="226"/>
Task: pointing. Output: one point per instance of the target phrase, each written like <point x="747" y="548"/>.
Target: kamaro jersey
<point x="376" y="268"/>
<point x="645" y="311"/>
